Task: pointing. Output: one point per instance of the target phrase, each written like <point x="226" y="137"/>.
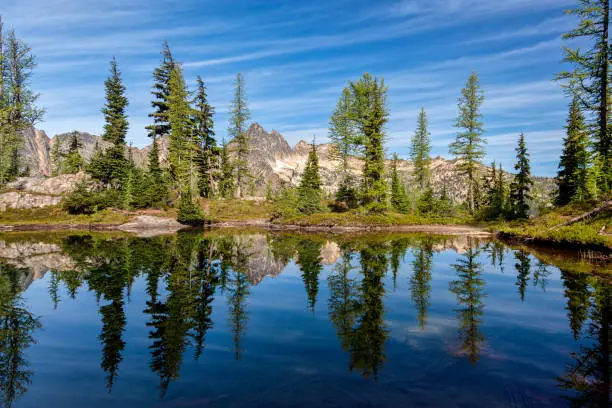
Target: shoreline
<point x="442" y="229"/>
<point x="431" y="228"/>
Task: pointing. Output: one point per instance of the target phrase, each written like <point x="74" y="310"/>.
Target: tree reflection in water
<point x="588" y="372"/>
<point x="17" y="327"/>
<point x="470" y="293"/>
<point x="185" y="273"/>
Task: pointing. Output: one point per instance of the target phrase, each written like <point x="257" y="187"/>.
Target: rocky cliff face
<point x="38" y="146"/>
<point x="271" y="159"/>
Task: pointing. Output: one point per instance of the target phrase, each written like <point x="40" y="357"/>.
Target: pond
<point x="260" y="319"/>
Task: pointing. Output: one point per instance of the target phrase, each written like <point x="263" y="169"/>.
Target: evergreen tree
<point x="157" y="189"/>
<point x="115" y="118"/>
<point x="590" y="79"/>
<point x="399" y="198"/>
<point x="178" y="115"/>
<point x="238" y="126"/>
<point x="161" y="92"/>
<point x="111" y="166"/>
<point x="420" y="149"/>
<point x="205" y="136"/>
<point x="57" y="158"/>
<point x="73" y="161"/>
<point x="129" y="184"/>
<point x="227" y="186"/>
<point x="520" y="188"/>
<point x="309" y="189"/>
<point x="496" y="193"/>
<point x="575" y="159"/>
<point x="468" y="146"/>
<point x="189" y="212"/>
<point x="371" y="111"/>
<point x="357" y="126"/>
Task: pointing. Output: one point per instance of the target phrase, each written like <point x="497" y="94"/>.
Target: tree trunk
<point x="604" y="207"/>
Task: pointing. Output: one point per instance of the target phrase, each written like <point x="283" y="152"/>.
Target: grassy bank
<point x="594" y="232"/>
<point x="362" y="219"/>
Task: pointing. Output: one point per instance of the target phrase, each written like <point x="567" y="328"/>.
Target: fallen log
<point x="604" y="207"/>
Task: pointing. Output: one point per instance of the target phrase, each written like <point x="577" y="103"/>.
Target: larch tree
<point x="310" y="190"/>
<point x="468" y="145"/>
<point x="342" y="133"/>
<point x="575" y="158"/>
<point x="18" y="109"/>
<point x="420" y="150"/>
<point x="345" y="143"/>
<point x="590" y="78"/>
<point x="520" y="188"/>
<point x="203" y="124"/>
<point x="371" y="114"/>
<point x="161" y="92"/>
<point x="238" y="126"/>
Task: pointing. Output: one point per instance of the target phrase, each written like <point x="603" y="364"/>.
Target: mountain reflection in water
<point x="263" y="319"/>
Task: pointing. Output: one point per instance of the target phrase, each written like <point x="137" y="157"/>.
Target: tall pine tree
<point x="161" y="92"/>
<point x="520" y="188"/>
<point x="111" y="166"/>
<point x="115" y="118"/>
<point x="468" y="146"/>
<point x="590" y="79"/>
<point x="205" y="135"/>
<point x="420" y="150"/>
<point x="238" y="126"/>
<point x="179" y="112"/>
<point x="575" y="158"/>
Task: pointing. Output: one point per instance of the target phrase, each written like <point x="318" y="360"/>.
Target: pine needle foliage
<point x="420" y="150"/>
<point x="520" y="188"/>
<point x="310" y="190"/>
<point x="468" y="146"/>
<point x="238" y="126"/>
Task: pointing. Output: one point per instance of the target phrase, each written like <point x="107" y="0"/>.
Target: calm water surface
<point x="218" y="319"/>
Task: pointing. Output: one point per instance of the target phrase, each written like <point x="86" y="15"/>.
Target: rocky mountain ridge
<point x="271" y="160"/>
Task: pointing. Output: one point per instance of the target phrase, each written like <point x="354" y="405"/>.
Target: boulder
<point x="148" y="225"/>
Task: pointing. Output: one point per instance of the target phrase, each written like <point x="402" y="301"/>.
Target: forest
<point x="202" y="165"/>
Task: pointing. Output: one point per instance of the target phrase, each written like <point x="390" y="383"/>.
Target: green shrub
<point x="189" y="213"/>
<point x="285" y="204"/>
<point x="86" y="200"/>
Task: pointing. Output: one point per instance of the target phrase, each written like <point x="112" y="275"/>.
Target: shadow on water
<point x="186" y="276"/>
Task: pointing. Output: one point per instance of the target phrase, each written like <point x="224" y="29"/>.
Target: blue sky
<point x="297" y="56"/>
